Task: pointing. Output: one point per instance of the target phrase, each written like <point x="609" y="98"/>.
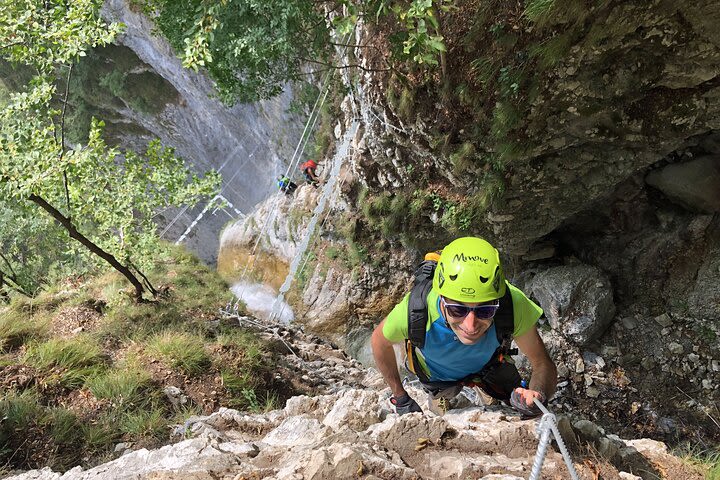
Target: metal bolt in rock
<point x="547" y="426"/>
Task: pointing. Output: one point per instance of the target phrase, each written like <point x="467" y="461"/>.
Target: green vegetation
<point x="69" y="354"/>
<point x="15" y="330"/>
<point x="537" y="11"/>
<point x="124" y="384"/>
<point x="110" y="78"/>
<point x="110" y="378"/>
<point x="181" y="350"/>
<point x="706" y="460"/>
<point x="99" y="198"/>
<point x="304" y="274"/>
<point x="463" y="159"/>
<point x="250" y="49"/>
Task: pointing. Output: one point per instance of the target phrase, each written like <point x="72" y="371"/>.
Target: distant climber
<point x="308" y="169"/>
<point x="286" y="185"/>
<point x="458" y="323"/>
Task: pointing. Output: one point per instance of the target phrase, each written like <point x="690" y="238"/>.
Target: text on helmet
<point x="461" y="257"/>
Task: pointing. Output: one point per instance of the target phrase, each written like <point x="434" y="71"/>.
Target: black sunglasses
<point x="456" y="310"/>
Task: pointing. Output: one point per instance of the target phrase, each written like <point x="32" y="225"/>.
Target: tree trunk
<point x="68" y="225"/>
<point x="11" y="281"/>
<point x="3" y="294"/>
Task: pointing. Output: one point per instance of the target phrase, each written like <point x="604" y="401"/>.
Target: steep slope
<point x="350" y="432"/>
<point x="582" y="143"/>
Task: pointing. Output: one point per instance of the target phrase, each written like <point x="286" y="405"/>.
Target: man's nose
<point x="470" y="320"/>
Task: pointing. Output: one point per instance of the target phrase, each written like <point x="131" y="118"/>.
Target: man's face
<point x="467" y="320"/>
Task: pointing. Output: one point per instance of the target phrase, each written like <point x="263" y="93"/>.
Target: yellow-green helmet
<point x="469" y="271"/>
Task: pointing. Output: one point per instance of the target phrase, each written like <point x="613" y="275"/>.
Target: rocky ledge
<point x="349" y="430"/>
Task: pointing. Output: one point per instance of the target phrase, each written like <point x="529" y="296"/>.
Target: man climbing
<point x="286" y="185"/>
<point x="308" y="169"/>
<point x="458" y="323"/>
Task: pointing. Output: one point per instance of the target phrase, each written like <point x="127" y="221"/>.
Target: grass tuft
<point x="16" y="329"/>
<point x="72" y="354"/>
<point x="181" y="350"/>
<point x="483" y="71"/>
<point x="505" y="118"/>
<point x="539" y="11"/>
<point x="144" y="423"/>
<point x="552" y="50"/>
<point x="18" y="411"/>
<point x="122" y="385"/>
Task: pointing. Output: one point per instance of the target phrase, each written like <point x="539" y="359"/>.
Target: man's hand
<point x="405" y="404"/>
<point x="522" y="400"/>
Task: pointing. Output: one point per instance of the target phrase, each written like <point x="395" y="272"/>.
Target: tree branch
<point x="8" y="45"/>
<point x="4" y="277"/>
<point x="62" y="140"/>
<point x="87" y="243"/>
<point x="9" y="265"/>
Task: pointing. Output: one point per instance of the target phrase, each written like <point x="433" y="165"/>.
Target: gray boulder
<point x="577" y="300"/>
<point x="695" y="184"/>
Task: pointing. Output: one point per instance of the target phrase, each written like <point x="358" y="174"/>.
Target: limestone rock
<point x="577" y="300"/>
<point x="694" y="184"/>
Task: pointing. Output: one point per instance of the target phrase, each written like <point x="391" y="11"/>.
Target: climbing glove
<point x="405" y="404"/>
<point x="528" y="411"/>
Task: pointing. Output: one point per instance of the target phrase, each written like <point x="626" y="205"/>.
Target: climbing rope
<point x="297" y="155"/>
<point x="329" y="187"/>
<point x="277" y="315"/>
<point x="547" y="426"/>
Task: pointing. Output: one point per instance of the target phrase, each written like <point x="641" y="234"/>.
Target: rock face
<point x="577" y="300"/>
<point x="248" y="144"/>
<point x="353" y="433"/>
<point x="599" y="218"/>
<point x="694" y="184"/>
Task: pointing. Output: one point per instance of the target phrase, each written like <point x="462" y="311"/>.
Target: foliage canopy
<point x="100" y="196"/>
<point x="249" y="47"/>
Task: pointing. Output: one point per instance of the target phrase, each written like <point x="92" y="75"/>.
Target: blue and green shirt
<point x="444" y="357"/>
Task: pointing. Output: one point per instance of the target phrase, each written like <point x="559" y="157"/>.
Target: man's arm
<point x="385" y="360"/>
<point x="544" y="373"/>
